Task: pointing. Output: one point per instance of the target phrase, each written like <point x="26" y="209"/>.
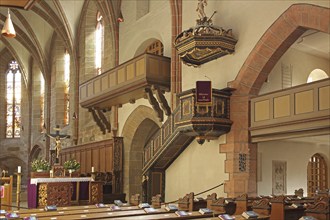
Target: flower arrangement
<point x="71" y="164"/>
<point x="40" y="164"/>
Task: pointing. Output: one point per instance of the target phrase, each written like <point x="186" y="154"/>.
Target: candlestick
<point x="93" y="170"/>
<point x="19" y="169"/>
<point x="18" y="190"/>
<point x="51" y="173"/>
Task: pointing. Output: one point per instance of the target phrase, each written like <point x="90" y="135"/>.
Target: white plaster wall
<point x="302" y="65"/>
<point x="248" y="19"/>
<point x="156" y="24"/>
<point x="296" y="153"/>
<point x="198" y="168"/>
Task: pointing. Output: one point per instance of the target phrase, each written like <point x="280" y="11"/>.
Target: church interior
<point x="196" y="103"/>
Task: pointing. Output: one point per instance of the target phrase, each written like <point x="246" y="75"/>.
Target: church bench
<point x="239" y="217"/>
<point x="192" y="215"/>
<point x="319" y="210"/>
<point x="66" y="208"/>
<point x="220" y="204"/>
<point x="189" y="203"/>
<point x="71" y="212"/>
<point x="106" y="215"/>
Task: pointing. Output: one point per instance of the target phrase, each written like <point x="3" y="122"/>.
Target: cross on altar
<point x="58" y="138"/>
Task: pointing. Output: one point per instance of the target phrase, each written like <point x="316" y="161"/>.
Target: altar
<point x="63" y="191"/>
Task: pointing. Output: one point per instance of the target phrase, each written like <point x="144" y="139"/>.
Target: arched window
<point x="13" y="101"/>
<point x="98" y="43"/>
<point x="67" y="87"/>
<point x="316" y="75"/>
<point x="42" y="102"/>
<point x="316" y="174"/>
<point x="156" y="47"/>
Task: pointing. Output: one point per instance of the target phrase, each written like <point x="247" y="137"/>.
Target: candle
<point x="92" y="169"/>
<point x="19" y="169"/>
<point x="70" y="171"/>
<point x="51" y="173"/>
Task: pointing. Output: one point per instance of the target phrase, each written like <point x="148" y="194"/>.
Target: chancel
<point x="184" y="106"/>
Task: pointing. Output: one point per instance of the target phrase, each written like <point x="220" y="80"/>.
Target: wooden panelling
<point x="121" y="75"/>
<point x="108" y="157"/>
<point x="98" y="154"/>
<point x="282" y="106"/>
<point x="130" y="71"/>
<point x="324" y="99"/>
<point x="140" y="67"/>
<point x="95" y="158"/>
<point x="90" y="90"/>
<point x="126" y="82"/>
<point x="104" y="82"/>
<point x="88" y="159"/>
<point x="292" y="111"/>
<point x="83" y="91"/>
<point x="97" y="85"/>
<point x="83" y="162"/>
<point x="304" y="102"/>
<point x="102" y="159"/>
<point x="113" y="79"/>
<point x="261" y="110"/>
<point x="154" y="66"/>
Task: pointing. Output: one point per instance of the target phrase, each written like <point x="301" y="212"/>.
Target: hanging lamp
<point x="8" y="28"/>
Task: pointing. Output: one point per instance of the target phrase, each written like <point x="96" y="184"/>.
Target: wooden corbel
<point x="153" y="102"/>
<point x="104" y="120"/>
<point x="162" y="100"/>
<point x="97" y="120"/>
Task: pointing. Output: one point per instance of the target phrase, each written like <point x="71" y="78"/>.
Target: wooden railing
<point x="187" y="122"/>
<point x="301" y="110"/>
<point x="126" y="82"/>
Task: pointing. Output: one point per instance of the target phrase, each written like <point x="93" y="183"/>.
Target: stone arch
<point x="276" y="40"/>
<point x="139" y="126"/>
<point x="142" y="48"/>
<point x="272" y="45"/>
<point x="35" y="153"/>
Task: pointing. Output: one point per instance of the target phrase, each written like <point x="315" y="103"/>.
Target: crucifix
<point x="58" y="138"/>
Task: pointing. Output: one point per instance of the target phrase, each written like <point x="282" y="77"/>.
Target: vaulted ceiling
<point x="36" y="22"/>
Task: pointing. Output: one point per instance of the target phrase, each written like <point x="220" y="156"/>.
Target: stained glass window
<point x="13" y="119"/>
<point x="42" y="101"/>
<point x="67" y="87"/>
<point x="98" y="43"/>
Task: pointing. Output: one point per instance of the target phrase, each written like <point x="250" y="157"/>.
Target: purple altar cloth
<point x="32" y="195"/>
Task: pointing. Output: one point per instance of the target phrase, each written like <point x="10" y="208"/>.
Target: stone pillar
<point x="241" y="162"/>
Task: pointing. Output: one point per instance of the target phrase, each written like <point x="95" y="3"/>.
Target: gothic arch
<point x="141" y="123"/>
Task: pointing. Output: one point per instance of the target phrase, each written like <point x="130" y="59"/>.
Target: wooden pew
<point x="220" y="204"/>
<point x="241" y="204"/>
<point x="62" y="212"/>
<point x="189" y="203"/>
<point x="7" y="192"/>
<point x="156" y="201"/>
<point x="281" y="211"/>
<point x="262" y="206"/>
<point x="319" y="210"/>
<point x="135" y="199"/>
<point x="125" y="214"/>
